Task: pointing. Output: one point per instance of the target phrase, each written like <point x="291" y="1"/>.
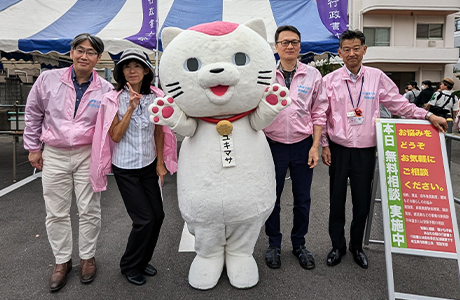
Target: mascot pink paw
<point x="164" y="111"/>
<point x="277" y="96"/>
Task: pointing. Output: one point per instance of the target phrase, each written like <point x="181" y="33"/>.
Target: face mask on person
<point x="422" y="87"/>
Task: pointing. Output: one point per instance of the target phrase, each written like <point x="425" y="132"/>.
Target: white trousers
<point x="63" y="172"/>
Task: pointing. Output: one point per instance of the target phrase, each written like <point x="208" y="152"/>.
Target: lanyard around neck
<point x="359" y="98"/>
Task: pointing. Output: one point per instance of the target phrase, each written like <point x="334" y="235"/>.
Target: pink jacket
<point x="50" y="109"/>
<point x="377" y="88"/>
<point x="101" y="151"/>
<point x="309" y="104"/>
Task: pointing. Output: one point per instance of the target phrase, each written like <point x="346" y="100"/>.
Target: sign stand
<point x="375" y="183"/>
<point x="417" y="200"/>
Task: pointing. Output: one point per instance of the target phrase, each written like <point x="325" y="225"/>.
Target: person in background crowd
<point x="425" y="95"/>
<point x="413" y="91"/>
<point x="437" y="88"/>
<point x="294" y="138"/>
<point x="61" y="112"/>
<point x="138" y="158"/>
<point x="349" y="141"/>
<point x="444" y="102"/>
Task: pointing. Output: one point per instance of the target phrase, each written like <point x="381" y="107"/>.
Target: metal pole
<point x="449" y="138"/>
<point x="449" y="141"/>
<point x="16" y="108"/>
<point x="375" y="183"/>
<point x="15" y="141"/>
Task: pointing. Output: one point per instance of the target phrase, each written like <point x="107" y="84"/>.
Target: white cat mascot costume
<point x="218" y="78"/>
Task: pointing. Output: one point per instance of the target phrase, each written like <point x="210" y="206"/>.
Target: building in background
<point x="457" y="32"/>
<point x="457" y="45"/>
<point x="410" y="39"/>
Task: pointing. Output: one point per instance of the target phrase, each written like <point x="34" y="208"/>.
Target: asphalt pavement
<point x="26" y="260"/>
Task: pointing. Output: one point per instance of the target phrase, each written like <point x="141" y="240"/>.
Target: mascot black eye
<point x="192" y="64"/>
<point x="240" y="59"/>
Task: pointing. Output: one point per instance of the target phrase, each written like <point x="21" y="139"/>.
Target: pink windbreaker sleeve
<point x="170" y="150"/>
<point x="396" y="103"/>
<point x="170" y="142"/>
<point x="34" y="115"/>
<point x="101" y="150"/>
<point x="320" y="103"/>
<point x="324" y="140"/>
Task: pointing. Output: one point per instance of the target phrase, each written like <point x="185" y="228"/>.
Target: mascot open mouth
<point x="219" y="90"/>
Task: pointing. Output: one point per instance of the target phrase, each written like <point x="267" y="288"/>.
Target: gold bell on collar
<point x="224" y="127"/>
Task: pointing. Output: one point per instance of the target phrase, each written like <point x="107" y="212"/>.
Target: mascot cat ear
<point x="168" y="34"/>
<point x="258" y="26"/>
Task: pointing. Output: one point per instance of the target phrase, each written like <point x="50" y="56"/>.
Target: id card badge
<point x="355" y="117"/>
<point x="356" y="120"/>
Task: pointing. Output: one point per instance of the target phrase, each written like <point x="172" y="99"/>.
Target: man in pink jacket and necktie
<point x="349" y="143"/>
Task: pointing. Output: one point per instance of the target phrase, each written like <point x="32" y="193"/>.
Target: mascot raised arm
<point x="218" y="80"/>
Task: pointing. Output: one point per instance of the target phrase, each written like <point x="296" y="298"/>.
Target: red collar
<point x="231" y="119"/>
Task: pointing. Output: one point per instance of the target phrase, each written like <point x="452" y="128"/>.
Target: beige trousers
<point x="63" y="172"/>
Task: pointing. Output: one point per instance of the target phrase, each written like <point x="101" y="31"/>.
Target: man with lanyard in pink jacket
<point x="294" y="138"/>
<point x="61" y="113"/>
<point x="349" y="143"/>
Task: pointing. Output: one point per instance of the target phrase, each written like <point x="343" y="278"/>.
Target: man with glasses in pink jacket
<point x="349" y="141"/>
<point x="294" y="138"/>
<point x="61" y="113"/>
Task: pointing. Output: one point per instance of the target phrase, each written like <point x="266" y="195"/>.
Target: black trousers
<point x="295" y="157"/>
<point x="358" y="165"/>
<point x="142" y="197"/>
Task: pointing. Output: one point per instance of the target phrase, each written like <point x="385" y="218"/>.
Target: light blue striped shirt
<point x="137" y="147"/>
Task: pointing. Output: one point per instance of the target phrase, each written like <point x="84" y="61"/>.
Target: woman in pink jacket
<point x="136" y="147"/>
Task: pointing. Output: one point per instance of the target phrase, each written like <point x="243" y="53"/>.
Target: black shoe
<point x="150" y="270"/>
<point x="136" y="278"/>
<point x="335" y="256"/>
<point x="305" y="257"/>
<point x="273" y="257"/>
<point x="359" y="257"/>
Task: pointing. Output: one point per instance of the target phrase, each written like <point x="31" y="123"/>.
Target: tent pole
<point x="156" y="66"/>
<point x="156" y="46"/>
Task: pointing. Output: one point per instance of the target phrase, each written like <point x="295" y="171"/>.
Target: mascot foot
<point x="205" y="272"/>
<point x="242" y="271"/>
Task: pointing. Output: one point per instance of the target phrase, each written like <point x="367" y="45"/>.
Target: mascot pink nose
<point x="219" y="90"/>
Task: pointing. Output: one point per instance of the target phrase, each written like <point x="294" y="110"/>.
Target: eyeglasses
<point x="294" y="43"/>
<point x="89" y="52"/>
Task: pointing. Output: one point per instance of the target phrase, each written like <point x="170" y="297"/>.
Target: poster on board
<point x="418" y="207"/>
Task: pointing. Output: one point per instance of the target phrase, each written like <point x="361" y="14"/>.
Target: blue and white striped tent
<point x="49" y="25"/>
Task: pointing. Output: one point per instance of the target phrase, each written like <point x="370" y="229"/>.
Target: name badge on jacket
<point x="355" y="117"/>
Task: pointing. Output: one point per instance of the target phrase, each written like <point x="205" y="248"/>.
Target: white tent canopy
<point x="49" y="25"/>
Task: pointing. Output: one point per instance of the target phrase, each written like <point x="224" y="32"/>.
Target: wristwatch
<point x="427" y="116"/>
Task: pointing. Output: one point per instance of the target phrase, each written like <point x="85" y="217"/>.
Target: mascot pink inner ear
<point x="215" y="28"/>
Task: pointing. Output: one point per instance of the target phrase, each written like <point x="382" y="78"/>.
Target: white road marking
<point x="187" y="241"/>
<point x="19" y="184"/>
